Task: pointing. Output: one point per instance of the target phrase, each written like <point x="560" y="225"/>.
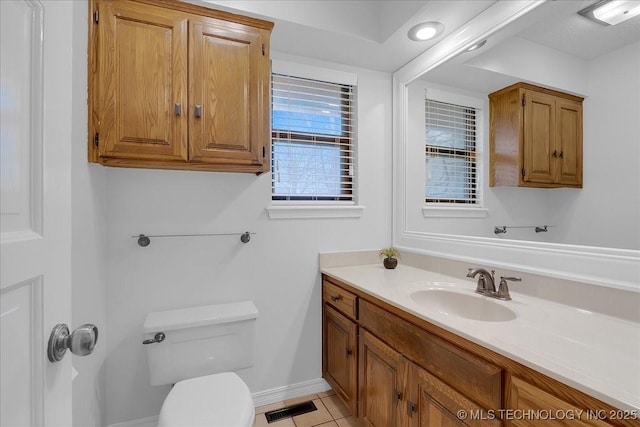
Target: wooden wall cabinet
<point x="178" y="86"/>
<point x="535" y="137"/>
<point x="411" y="373"/>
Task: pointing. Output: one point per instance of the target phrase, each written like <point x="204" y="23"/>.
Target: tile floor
<point x="331" y="413"/>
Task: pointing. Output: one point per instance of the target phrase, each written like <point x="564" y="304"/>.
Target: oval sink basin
<point x="461" y="305"/>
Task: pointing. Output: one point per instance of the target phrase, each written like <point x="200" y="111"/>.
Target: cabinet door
<point x="529" y="399"/>
<point x="229" y="94"/>
<point x="568" y="142"/>
<point x="433" y="403"/>
<point x="539" y="137"/>
<point x="382" y="378"/>
<point x="142" y="82"/>
<point x="340" y="359"/>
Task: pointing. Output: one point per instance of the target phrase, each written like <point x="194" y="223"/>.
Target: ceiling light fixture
<point x="476" y="46"/>
<point x="425" y="31"/>
<point x="611" y="12"/>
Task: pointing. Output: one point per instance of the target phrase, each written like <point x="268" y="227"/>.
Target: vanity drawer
<point x="474" y="377"/>
<point x="341" y="299"/>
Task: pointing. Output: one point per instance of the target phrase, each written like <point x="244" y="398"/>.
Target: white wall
<point x="88" y="241"/>
<point x="278" y="269"/>
<point x="606" y="210"/>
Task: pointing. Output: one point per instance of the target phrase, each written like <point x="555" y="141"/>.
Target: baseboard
<point x="142" y="422"/>
<point x="292" y="391"/>
<point x="259" y="399"/>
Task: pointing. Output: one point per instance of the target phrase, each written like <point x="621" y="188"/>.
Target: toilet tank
<point x="200" y="341"/>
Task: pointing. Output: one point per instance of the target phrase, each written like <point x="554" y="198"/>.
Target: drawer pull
<point x="335" y="298"/>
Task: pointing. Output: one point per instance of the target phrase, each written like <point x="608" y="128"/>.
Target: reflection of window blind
<point x="450" y="153"/>
<point x="312" y="139"/>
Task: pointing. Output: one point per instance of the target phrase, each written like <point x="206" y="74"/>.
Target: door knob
<point x="81" y="341"/>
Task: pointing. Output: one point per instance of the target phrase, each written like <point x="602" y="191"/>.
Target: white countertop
<point x="594" y="353"/>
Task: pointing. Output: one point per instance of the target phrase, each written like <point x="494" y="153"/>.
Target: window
<point x="450" y="153"/>
<point x="312" y="140"/>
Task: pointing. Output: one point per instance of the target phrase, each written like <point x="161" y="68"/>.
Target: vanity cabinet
<point x="178" y="86"/>
<point x="412" y="373"/>
<point x="535" y="137"/>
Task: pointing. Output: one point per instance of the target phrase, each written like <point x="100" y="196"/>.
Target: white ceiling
<point x="554" y="25"/>
<point x="370" y="34"/>
<point x="563" y="29"/>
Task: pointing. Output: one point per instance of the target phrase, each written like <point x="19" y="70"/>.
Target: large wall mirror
<point x="593" y="233"/>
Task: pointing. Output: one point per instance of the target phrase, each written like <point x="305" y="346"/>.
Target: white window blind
<point x="312" y="150"/>
<point x="450" y="153"/>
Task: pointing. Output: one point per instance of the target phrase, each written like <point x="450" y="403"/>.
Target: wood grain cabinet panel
<point x="535" y="407"/>
<point x="535" y="137"/>
<point x="341" y="299"/>
<point x="340" y="356"/>
<point x="142" y="75"/>
<point x="178" y="86"/>
<point x="439" y="405"/>
<point x="382" y="380"/>
<point x="470" y="374"/>
<point x="229" y="84"/>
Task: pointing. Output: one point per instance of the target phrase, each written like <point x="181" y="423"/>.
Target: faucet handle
<point x="503" y="289"/>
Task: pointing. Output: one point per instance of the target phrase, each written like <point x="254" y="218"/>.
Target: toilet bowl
<point x="197" y="349"/>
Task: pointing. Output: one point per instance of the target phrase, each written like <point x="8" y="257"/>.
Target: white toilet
<point x="199" y="351"/>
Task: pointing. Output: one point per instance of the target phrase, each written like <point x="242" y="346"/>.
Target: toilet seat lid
<point x="219" y="400"/>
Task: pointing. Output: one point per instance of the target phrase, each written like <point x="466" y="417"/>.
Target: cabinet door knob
<point x="554" y="154"/>
<point x="177" y="109"/>
<point x="561" y="155"/>
<point x="411" y="408"/>
<point x="349" y="351"/>
<point x="197" y="111"/>
<point x="398" y="395"/>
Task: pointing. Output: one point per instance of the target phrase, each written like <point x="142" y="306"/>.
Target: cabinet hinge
<point x="96" y="16"/>
<point x="96" y="139"/>
<point x="263" y="49"/>
<point x="523" y="101"/>
<point x="264" y="152"/>
<point x="522" y="172"/>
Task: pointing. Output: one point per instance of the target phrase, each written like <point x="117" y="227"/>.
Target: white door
<point x="35" y="122"/>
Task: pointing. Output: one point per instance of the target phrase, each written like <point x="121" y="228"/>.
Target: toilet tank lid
<point x="199" y="316"/>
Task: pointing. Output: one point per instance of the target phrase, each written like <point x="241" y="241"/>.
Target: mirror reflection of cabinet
<point x="535" y="137"/>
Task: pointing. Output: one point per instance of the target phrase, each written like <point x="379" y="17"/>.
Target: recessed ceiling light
<point x="425" y="31"/>
<point x="476" y="46"/>
<point x="611" y="12"/>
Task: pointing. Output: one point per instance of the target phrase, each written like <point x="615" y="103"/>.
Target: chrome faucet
<point x="487" y="284"/>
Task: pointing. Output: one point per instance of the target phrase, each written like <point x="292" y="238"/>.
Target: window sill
<point x="454" y="212"/>
<point x="314" y="211"/>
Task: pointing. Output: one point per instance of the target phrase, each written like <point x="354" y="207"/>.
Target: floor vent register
<point x="290" y="411"/>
